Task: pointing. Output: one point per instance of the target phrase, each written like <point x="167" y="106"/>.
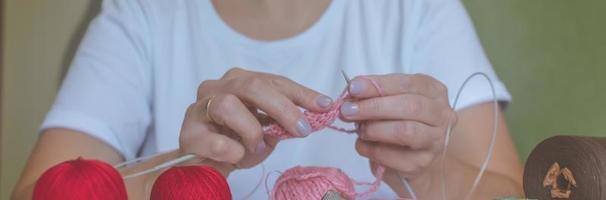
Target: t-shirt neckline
<point x="226" y="32"/>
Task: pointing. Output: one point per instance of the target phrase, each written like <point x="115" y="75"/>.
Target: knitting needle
<point x="348" y="80"/>
<point x="346" y="77"/>
<point x="332" y="195"/>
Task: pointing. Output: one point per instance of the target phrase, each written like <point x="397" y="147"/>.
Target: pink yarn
<point x="312" y="183"/>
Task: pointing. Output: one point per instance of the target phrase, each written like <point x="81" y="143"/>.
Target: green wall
<point x="552" y="56"/>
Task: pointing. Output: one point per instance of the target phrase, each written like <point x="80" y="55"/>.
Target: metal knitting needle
<point x="348" y="80"/>
<point x="332" y="195"/>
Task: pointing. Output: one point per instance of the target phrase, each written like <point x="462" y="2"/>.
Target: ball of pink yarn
<point x="309" y="183"/>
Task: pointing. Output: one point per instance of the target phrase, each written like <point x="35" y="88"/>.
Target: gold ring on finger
<point x="207" y="109"/>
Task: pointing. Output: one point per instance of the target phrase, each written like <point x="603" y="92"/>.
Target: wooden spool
<point x="567" y="167"/>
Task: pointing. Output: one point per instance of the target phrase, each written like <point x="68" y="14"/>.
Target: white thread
<point x="492" y="140"/>
<point x="267" y="177"/>
<point x="258" y="183"/>
<point x="136" y="160"/>
<point x="164" y="165"/>
<point x="408" y="187"/>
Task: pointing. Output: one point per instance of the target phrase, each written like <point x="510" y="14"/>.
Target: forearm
<point x="459" y="179"/>
<point x="137" y="187"/>
<point x="56" y="146"/>
<point x="59" y="145"/>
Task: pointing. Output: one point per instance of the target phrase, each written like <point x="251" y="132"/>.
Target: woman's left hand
<point x="403" y="126"/>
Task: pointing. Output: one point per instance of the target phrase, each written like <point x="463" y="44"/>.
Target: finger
<point x="252" y="159"/>
<point x="392" y="84"/>
<point x="203" y="139"/>
<point x="236" y="72"/>
<point x="399" y="107"/>
<point x="408" y="162"/>
<point x="205" y="89"/>
<point x="270" y="141"/>
<point x="279" y="107"/>
<point x="301" y="95"/>
<point x="415" y="135"/>
<point x="229" y="111"/>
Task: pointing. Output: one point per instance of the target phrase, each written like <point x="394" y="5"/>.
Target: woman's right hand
<point x="223" y="124"/>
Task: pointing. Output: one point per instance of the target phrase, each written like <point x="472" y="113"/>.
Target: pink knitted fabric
<point x="318" y="121"/>
<point x="311" y="183"/>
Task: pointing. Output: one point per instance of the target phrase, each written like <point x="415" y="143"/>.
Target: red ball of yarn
<point x="191" y="183"/>
<point x="80" y="179"/>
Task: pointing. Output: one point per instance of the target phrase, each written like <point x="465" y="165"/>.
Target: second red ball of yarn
<point x="191" y="183"/>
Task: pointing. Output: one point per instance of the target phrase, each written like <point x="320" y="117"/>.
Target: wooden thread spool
<point x="567" y="167"/>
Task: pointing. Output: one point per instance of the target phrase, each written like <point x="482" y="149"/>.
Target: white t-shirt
<point x="139" y="65"/>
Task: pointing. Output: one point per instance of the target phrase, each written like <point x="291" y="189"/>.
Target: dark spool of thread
<point x="584" y="157"/>
<point x="80" y="179"/>
<point x="191" y="183"/>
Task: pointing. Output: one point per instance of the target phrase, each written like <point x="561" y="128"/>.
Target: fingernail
<point x="356" y="87"/>
<point x="303" y="127"/>
<point x="349" y="108"/>
<point x="323" y="101"/>
<point x="260" y="147"/>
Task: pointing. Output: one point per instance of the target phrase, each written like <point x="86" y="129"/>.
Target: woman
<point x="144" y="65"/>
